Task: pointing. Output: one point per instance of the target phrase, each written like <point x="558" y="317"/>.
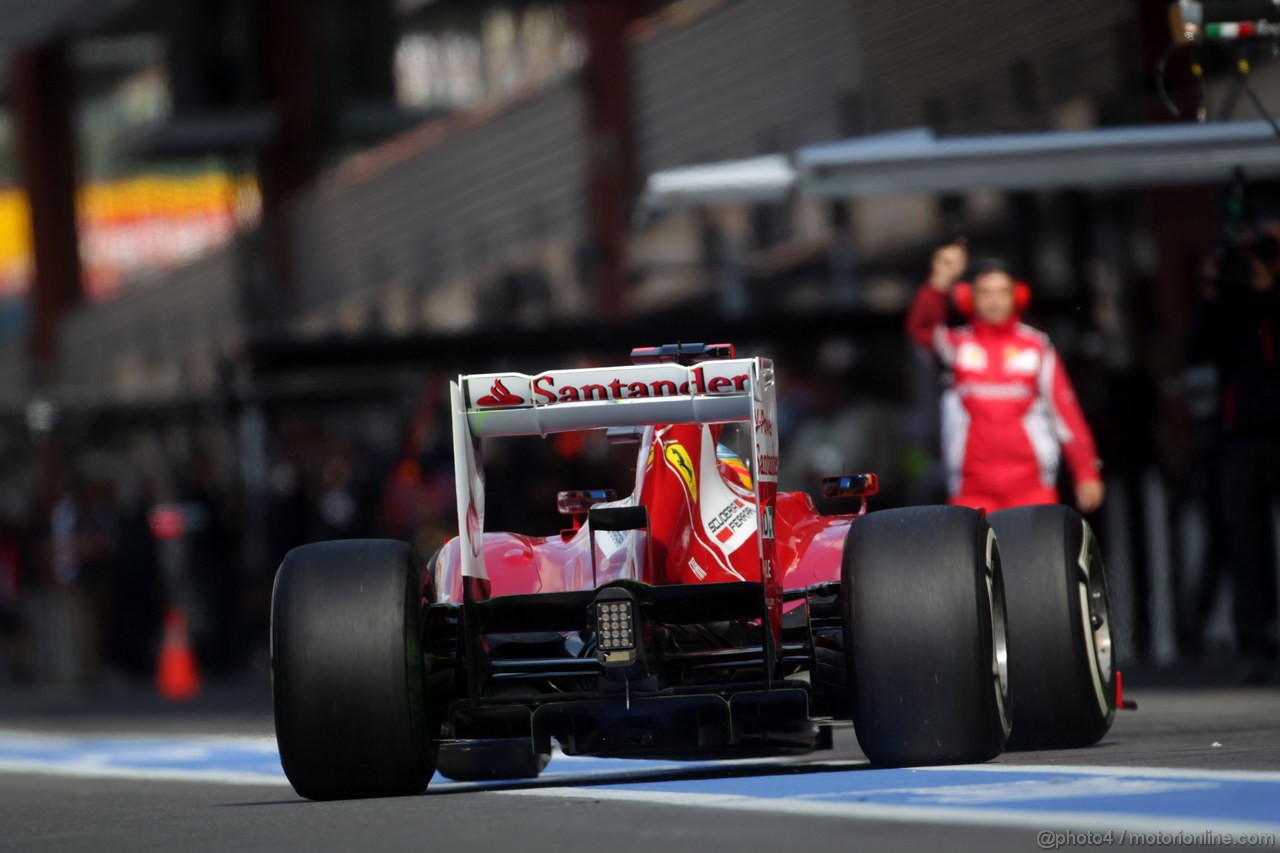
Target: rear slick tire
<point x="347" y="671"/>
<point x="924" y="629"/>
<point x="1059" y="628"/>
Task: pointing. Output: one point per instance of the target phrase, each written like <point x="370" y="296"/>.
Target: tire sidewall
<point x="347" y="672"/>
<point x="919" y="639"/>
<point x="1061" y="698"/>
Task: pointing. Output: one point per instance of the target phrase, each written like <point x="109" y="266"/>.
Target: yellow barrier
<point x="133" y="226"/>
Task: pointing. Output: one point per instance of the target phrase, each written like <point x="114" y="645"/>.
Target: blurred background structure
<point x="245" y="243"/>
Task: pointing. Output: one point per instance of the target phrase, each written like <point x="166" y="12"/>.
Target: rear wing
<point x="649" y="395"/>
<point x="596" y="398"/>
<point x="511" y="404"/>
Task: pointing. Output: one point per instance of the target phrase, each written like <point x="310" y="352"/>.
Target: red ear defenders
<point x="962" y="297"/>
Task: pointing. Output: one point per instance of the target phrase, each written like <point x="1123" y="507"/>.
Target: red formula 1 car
<point x="705" y="614"/>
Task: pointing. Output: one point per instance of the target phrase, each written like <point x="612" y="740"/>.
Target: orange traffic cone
<point x="176" y="677"/>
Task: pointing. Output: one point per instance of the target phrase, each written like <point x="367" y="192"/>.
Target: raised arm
<point x="927" y="321"/>
<point x="927" y="318"/>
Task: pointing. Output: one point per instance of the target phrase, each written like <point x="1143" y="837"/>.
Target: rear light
<point x="614" y="616"/>
<point x="615" y="626"/>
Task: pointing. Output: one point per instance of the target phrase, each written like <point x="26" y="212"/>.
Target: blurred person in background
<point x="97" y="545"/>
<point x="841" y="434"/>
<point x="53" y="617"/>
<point x="15" y="661"/>
<point x="1237" y="329"/>
<point x="288" y="509"/>
<point x="76" y="544"/>
<point x="1009" y="412"/>
<point x="139" y="588"/>
<point x="344" y="507"/>
<point x="213" y="543"/>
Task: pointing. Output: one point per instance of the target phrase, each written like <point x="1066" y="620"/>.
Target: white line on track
<point x="1096" y="770"/>
<point x="94" y="755"/>
<point x="94" y="770"/>
<point x="127" y="756"/>
<point x="40" y="738"/>
<point x="1038" y="820"/>
<point x="1086" y="769"/>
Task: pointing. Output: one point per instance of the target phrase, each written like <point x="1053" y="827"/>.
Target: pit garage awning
<point x="1107" y="158"/>
<point x="919" y="161"/>
<point x="25" y="22"/>
<point x="756" y="179"/>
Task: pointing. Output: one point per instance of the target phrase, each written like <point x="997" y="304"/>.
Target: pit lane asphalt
<point x="1213" y="728"/>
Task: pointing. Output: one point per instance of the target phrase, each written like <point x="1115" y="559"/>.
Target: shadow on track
<point x="589" y="779"/>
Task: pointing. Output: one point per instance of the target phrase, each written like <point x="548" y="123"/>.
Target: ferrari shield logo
<point x="971" y="356"/>
<point x="1021" y="360"/>
<point x="678" y="458"/>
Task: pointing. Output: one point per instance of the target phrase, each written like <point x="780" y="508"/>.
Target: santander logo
<point x="499" y="396"/>
<point x="548" y="388"/>
<point x="606" y="385"/>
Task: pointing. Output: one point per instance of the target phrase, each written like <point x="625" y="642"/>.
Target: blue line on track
<point x="1206" y="797"/>
<point x="1145" y="793"/>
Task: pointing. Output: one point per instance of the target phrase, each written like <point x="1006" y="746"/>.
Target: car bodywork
<point x="723" y="587"/>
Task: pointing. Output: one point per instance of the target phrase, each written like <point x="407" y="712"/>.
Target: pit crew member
<point x="1009" y="412"/>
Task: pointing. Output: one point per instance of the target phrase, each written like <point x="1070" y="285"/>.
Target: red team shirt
<point x="1007" y="410"/>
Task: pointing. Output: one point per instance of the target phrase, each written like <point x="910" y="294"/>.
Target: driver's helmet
<point x="731" y="466"/>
